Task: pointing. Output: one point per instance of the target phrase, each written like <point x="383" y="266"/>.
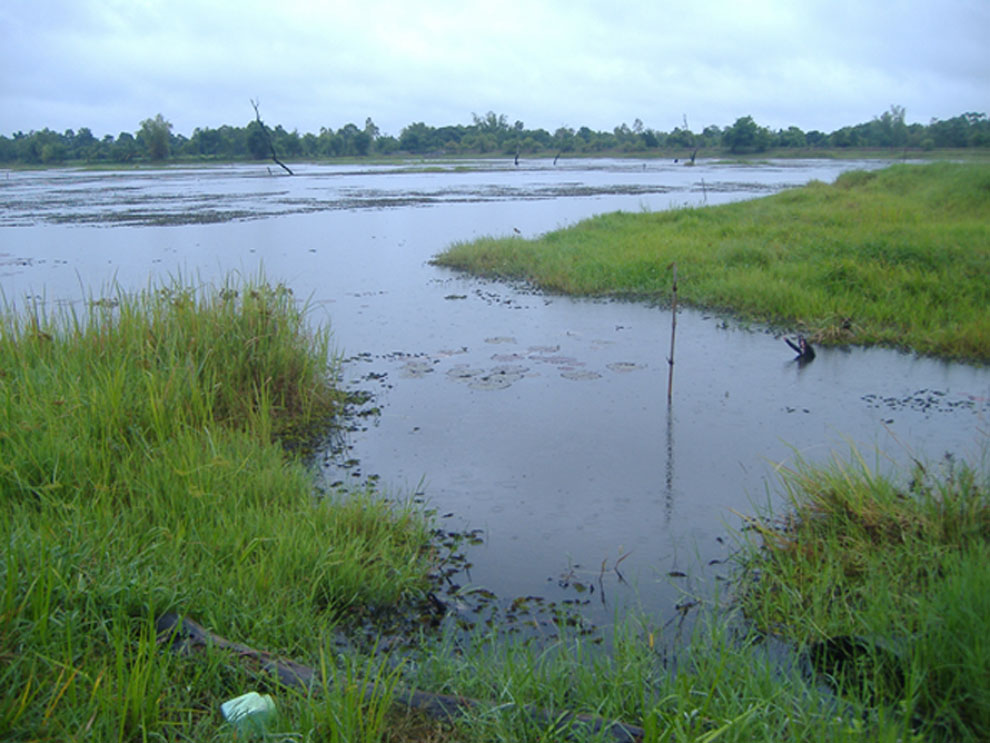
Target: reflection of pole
<point x="668" y="508"/>
<point x="673" y="330"/>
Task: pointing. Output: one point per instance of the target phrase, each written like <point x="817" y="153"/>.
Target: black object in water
<point x="851" y="662"/>
<point x="803" y="349"/>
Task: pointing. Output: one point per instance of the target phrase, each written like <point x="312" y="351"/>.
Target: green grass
<point x="900" y="570"/>
<point x="150" y="462"/>
<point x="896" y="257"/>
<point x="144" y="468"/>
<point x="720" y="685"/>
<point x="895" y="570"/>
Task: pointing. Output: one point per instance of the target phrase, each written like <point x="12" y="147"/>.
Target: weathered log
<point x="183" y="635"/>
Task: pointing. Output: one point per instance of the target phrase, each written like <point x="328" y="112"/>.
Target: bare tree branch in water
<point x="268" y="137"/>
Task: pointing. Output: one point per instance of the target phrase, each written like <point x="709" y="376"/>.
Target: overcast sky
<point x="816" y="64"/>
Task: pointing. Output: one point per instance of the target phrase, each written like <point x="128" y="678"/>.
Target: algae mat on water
<point x="897" y="257"/>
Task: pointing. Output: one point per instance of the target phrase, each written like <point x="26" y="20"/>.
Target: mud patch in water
<point x="580" y="375"/>
<point x="625" y="366"/>
<point x="925" y="401"/>
<point x="416" y="368"/>
<point x="497" y="378"/>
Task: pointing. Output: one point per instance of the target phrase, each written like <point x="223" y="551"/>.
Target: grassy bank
<point x="142" y="470"/>
<point x="897" y="257"/>
<point x="887" y="585"/>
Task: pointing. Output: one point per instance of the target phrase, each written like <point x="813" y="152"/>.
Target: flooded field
<point x="538" y="423"/>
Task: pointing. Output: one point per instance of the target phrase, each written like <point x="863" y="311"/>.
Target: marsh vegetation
<point x="877" y="581"/>
<point x="147" y="465"/>
<point x="898" y="257"/>
<point x="152" y="459"/>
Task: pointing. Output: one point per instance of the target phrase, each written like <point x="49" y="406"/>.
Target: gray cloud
<point x="818" y="65"/>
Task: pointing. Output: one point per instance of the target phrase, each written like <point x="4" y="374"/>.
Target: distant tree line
<point x="490" y="134"/>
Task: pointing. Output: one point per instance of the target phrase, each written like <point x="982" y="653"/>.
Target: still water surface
<point x="539" y="420"/>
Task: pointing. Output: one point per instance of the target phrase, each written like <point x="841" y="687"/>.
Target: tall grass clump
<point x="353" y="700"/>
<point x="149" y="463"/>
<point x="897" y="257"/>
<point x="887" y="585"/>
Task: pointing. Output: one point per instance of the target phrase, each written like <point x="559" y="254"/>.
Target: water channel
<point x="538" y="422"/>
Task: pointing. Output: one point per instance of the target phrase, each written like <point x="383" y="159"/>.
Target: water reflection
<point x="669" y="468"/>
<point x="541" y="420"/>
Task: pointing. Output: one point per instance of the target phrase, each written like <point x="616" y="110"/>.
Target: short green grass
<point x="896" y="257"/>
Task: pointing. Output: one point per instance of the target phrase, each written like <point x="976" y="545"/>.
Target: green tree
<point x="371" y="129"/>
<point x="625" y="137"/>
<point x="207" y="142"/>
<point x="416" y="138"/>
<point x="893" y="131"/>
<point x="448" y="138"/>
<point x="8" y="152"/>
<point x="746" y="136"/>
<point x="125" y="148"/>
<point x="257" y="141"/>
<point x="711" y="136"/>
<point x="681" y="138"/>
<point x="52" y="152"/>
<point x="791" y="137"/>
<point x="386" y="144"/>
<point x="563" y="139"/>
<point x="83" y="145"/>
<point x="155" y="133"/>
<point x="491" y="123"/>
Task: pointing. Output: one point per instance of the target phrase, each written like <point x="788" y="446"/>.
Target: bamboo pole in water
<point x="673" y="331"/>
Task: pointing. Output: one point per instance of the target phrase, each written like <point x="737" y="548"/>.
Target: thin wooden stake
<point x="673" y="331"/>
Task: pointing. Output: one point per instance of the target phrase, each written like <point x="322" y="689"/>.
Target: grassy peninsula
<point x="897" y="257"/>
